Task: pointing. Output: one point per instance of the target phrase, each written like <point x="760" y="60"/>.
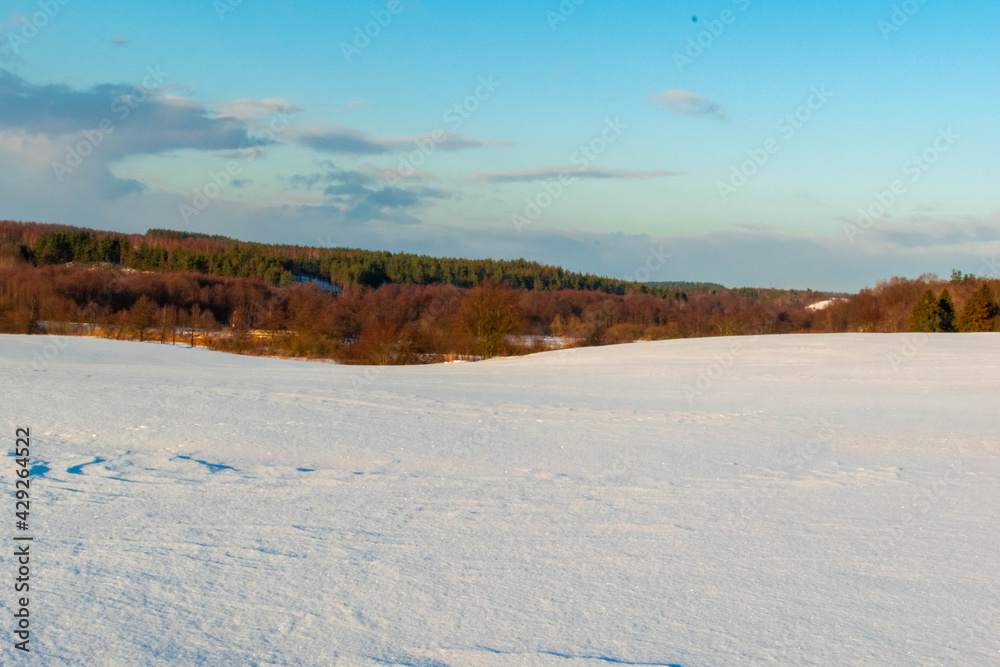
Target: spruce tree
<point x="946" y="313"/>
<point x="979" y="311"/>
<point x="925" y="314"/>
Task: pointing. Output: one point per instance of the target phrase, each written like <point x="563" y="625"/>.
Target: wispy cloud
<point x="363" y="195"/>
<point x="686" y="103"/>
<point x="118" y="40"/>
<point x="554" y="173"/>
<point x="245" y="109"/>
<point x="395" y="173"/>
<point x="334" y="138"/>
<point x="355" y="104"/>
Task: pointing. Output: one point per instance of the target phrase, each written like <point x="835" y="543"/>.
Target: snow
<point x="806" y="500"/>
<point x="821" y="305"/>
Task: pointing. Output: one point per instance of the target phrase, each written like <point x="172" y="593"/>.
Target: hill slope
<point x="803" y="500"/>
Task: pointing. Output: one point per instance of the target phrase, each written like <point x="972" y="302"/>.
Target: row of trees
<point x="396" y="323"/>
<point x="280" y="265"/>
<point x="249" y="298"/>
<point x="928" y="303"/>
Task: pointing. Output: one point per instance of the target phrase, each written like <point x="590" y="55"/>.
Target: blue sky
<point x="742" y="137"/>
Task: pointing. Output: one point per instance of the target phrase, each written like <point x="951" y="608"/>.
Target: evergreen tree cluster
<point x="933" y="314"/>
<point x="937" y="314"/>
<point x="981" y="311"/>
<point x="280" y="265"/>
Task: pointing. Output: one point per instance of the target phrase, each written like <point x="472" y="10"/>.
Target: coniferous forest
<point x="362" y="306"/>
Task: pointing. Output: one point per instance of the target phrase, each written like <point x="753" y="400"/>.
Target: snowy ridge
<point x="793" y="500"/>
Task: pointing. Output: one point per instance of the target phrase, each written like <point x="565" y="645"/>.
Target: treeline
<point x="282" y="265"/>
<point x="686" y="285"/>
<point x="928" y="304"/>
<point x="396" y="323"/>
<point x="380" y="308"/>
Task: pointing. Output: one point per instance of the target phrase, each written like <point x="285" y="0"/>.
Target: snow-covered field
<point x="798" y="500"/>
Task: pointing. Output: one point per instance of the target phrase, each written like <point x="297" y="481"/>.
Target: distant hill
<point x="280" y="265"/>
<point x="353" y="305"/>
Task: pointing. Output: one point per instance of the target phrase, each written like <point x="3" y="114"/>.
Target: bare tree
<point x="488" y="315"/>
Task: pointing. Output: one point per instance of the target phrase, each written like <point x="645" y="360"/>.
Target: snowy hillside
<point x="795" y="500"/>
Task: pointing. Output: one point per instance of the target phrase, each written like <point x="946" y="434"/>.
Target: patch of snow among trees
<point x="822" y="305"/>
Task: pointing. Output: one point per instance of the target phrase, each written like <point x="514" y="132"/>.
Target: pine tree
<point x="925" y="314"/>
<point x="946" y="313"/>
<point x="980" y="310"/>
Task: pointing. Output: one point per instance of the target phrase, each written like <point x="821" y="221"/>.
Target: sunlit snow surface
<point x="800" y="500"/>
